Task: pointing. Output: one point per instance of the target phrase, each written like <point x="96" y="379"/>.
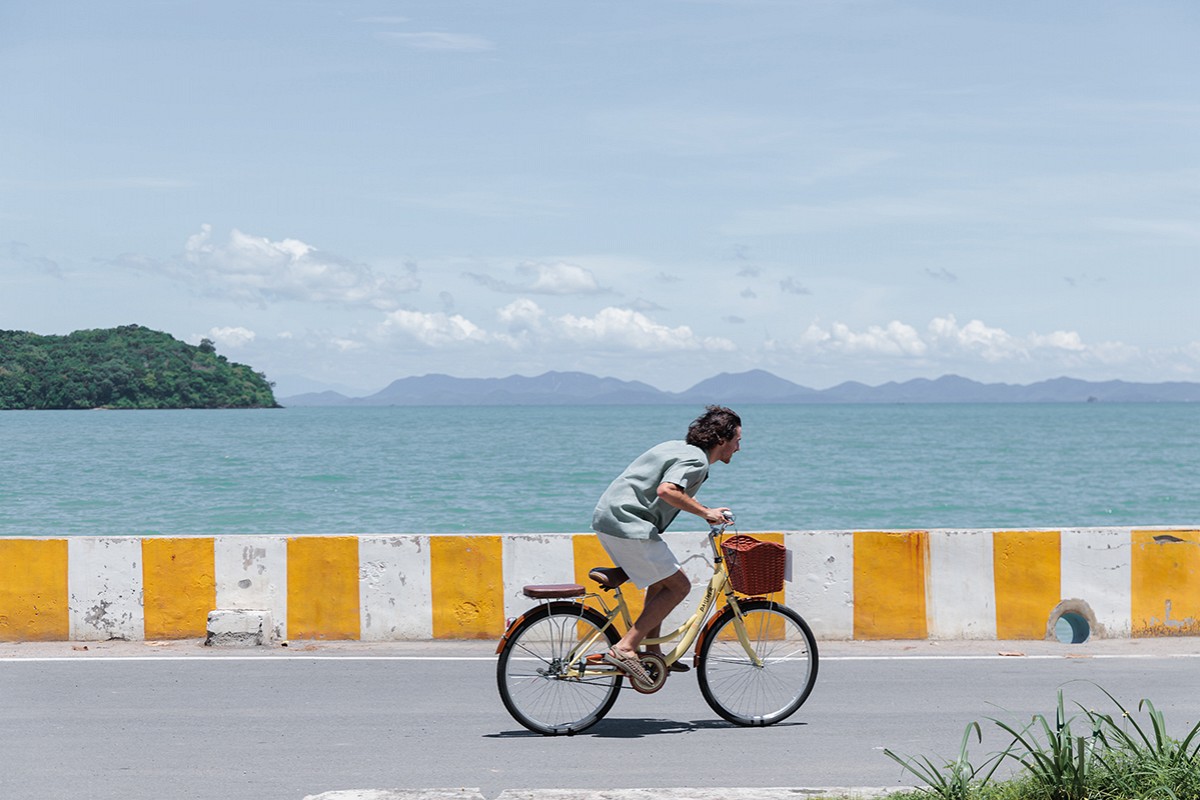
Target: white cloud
<point x="993" y="344"/>
<point x="1059" y="340"/>
<point x="562" y="278"/>
<point x="435" y="329"/>
<point x="254" y="269"/>
<point x="996" y="344"/>
<point x="625" y="328"/>
<point x="530" y="327"/>
<point x="1119" y="353"/>
<point x="946" y="344"/>
<point x="894" y="339"/>
<point x="232" y="338"/>
<point x="521" y="315"/>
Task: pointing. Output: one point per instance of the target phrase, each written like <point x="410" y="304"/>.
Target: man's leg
<point x="661" y="599"/>
<point x="656" y="631"/>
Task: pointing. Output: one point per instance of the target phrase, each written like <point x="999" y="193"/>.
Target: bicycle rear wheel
<point x="748" y="694"/>
<point x="531" y="672"/>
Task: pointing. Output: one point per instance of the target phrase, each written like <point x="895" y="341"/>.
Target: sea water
<point x="541" y="469"/>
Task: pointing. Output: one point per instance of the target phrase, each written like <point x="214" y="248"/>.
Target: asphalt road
<point x="142" y="721"/>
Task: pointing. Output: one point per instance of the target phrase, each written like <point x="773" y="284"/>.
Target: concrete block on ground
<point x="238" y="627"/>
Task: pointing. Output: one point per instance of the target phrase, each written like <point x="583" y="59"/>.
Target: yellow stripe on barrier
<point x="588" y="552"/>
<point x="1165" y="583"/>
<point x="322" y="588"/>
<point x="179" y="586"/>
<point x="1027" y="567"/>
<point x="467" y="582"/>
<point x="33" y="590"/>
<point x="889" y="585"/>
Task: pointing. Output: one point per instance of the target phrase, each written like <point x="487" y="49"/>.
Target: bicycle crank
<point x="656" y="667"/>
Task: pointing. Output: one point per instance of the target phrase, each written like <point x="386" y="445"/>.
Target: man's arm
<point x="673" y="494"/>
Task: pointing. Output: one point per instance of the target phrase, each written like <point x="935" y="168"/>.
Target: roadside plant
<point x="1058" y="761"/>
<point x="957" y="779"/>
<point x="1141" y="763"/>
<point x="1118" y="757"/>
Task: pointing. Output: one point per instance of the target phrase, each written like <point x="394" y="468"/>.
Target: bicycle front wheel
<point x="763" y="693"/>
<point x="538" y="669"/>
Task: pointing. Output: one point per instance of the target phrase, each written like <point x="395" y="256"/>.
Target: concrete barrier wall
<point x="944" y="584"/>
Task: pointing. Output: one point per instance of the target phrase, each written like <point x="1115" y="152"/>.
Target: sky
<point x="343" y="193"/>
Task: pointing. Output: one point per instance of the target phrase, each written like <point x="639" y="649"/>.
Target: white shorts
<point x="645" y="561"/>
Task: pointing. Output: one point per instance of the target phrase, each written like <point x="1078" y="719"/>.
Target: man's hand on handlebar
<point x="718" y="516"/>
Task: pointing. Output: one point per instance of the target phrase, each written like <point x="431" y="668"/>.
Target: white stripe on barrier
<point x="961" y="601"/>
<point x="822" y="587"/>
<point x="394" y="594"/>
<point x="104" y="587"/>
<point x="534" y="559"/>
<point x="1097" y="568"/>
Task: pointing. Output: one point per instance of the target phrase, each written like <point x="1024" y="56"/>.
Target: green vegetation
<point x="125" y="367"/>
<point x="1115" y="759"/>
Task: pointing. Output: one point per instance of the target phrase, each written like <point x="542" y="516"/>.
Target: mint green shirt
<point x="630" y="507"/>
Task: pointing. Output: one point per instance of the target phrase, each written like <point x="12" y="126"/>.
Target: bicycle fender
<point x="744" y="604"/>
<point x="535" y="611"/>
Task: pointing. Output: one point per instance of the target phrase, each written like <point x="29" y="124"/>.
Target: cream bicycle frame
<point x="686" y="633"/>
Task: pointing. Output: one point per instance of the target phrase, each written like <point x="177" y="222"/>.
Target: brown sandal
<point x="630" y="666"/>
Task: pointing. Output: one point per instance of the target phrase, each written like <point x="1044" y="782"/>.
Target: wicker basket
<point x="755" y="567"/>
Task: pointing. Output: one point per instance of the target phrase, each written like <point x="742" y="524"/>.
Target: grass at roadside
<point x="1088" y="755"/>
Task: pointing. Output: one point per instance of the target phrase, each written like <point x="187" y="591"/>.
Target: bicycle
<point x="755" y="659"/>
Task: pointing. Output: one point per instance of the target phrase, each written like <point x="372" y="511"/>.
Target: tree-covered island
<point x="125" y="367"/>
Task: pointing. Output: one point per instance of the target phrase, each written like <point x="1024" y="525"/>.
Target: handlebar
<point x="714" y="530"/>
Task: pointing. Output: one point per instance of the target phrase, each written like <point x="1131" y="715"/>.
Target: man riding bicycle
<point x="639" y="505"/>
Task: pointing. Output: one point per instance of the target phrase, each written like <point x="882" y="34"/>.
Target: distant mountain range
<point x="756" y="386"/>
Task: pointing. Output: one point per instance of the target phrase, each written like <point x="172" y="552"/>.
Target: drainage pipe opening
<point x="1073" y="622"/>
<point x="1071" y="628"/>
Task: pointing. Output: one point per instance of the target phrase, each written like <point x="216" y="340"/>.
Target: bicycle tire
<point x="750" y="695"/>
<point x="530" y="659"/>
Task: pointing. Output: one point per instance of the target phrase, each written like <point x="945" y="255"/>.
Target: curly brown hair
<point x="715" y="426"/>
